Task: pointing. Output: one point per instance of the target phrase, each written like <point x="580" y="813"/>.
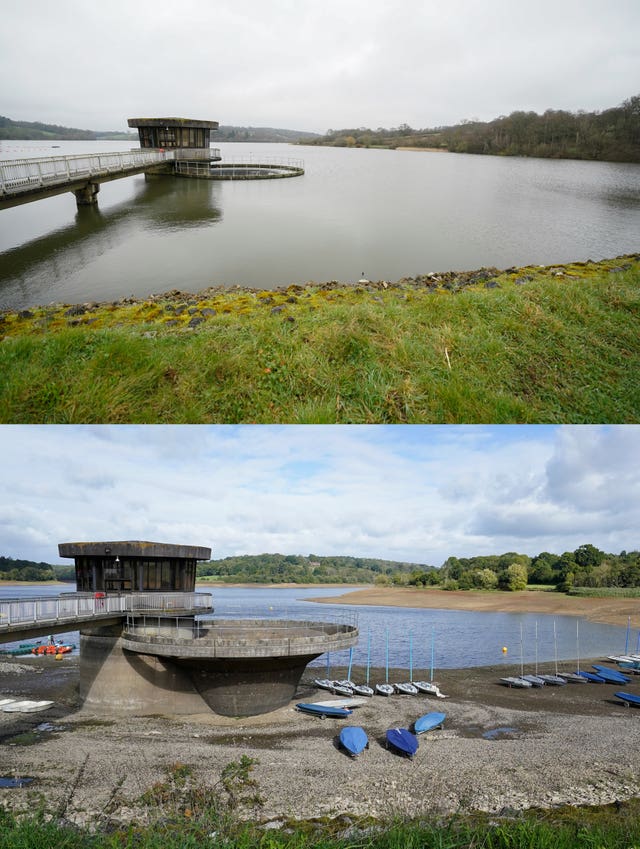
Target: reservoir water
<point x="385" y="214"/>
<point x="459" y="638"/>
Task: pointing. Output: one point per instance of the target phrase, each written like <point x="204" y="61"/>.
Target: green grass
<point x="614" y="827"/>
<point x="605" y="592"/>
<point x="554" y="349"/>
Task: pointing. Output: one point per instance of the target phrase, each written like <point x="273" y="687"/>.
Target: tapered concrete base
<point x="117" y="680"/>
<point x="247" y="687"/>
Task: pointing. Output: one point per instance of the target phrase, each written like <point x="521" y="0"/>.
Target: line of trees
<point x="611" y="135"/>
<point x="587" y="566"/>
<point x="304" y="569"/>
<point x="12" y="569"/>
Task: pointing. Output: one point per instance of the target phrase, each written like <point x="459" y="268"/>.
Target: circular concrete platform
<point x="238" y="667"/>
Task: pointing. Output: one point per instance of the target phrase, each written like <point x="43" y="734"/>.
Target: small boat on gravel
<point x="513" y="681"/>
<point x="322" y="710"/>
<point x="591" y="676"/>
<point x="429" y="688"/>
<point x="324" y="683"/>
<point x="406" y="689"/>
<point x="342" y="703"/>
<point x="573" y="678"/>
<point x="25" y="705"/>
<point x="342" y="688"/>
<point x="363" y="690"/>
<point x="385" y="689"/>
<point x="403" y="741"/>
<point x="535" y="680"/>
<point x="429" y="722"/>
<point x="628" y="698"/>
<point x="354" y="740"/>
<point x="553" y="680"/>
<point x="611" y="676"/>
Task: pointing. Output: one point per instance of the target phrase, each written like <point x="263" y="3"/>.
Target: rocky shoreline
<point x="501" y="749"/>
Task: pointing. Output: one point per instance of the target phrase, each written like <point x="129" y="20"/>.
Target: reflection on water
<point x="388" y="214"/>
<point x="37" y="270"/>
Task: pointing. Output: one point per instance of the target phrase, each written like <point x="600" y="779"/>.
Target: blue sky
<point x="414" y="493"/>
<point x="313" y="66"/>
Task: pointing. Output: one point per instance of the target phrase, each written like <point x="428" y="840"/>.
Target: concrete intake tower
<point x="168" y="653"/>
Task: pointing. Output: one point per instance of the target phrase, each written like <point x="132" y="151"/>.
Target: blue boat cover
<point x="591" y="676"/>
<point x="611" y="674"/>
<point x="322" y="710"/>
<point x="354" y="739"/>
<point x="403" y="740"/>
<point x="630" y="698"/>
<point x="428" y="721"/>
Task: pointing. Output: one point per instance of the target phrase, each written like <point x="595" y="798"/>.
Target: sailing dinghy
<point x="354" y="740"/>
<point x="591" y="676"/>
<point x="628" y="698"/>
<point x="406" y="689"/>
<point x="429" y="688"/>
<point x="403" y="741"/>
<point x="428" y="722"/>
<point x="611" y="676"/>
<point x="323" y="710"/>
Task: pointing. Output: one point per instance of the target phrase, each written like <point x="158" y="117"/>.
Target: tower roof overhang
<point x="133" y="548"/>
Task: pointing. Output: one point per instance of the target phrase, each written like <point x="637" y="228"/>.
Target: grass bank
<point x="613" y="827"/>
<point x="534" y="344"/>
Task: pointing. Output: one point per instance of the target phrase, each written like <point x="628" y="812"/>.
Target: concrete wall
<point x="115" y="680"/>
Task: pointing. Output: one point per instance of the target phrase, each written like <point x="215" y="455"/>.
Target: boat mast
<point x="432" y="648"/>
<point x="386" y="678"/>
<point x="368" y="655"/>
<point x="350" y="662"/>
<point x="411" y="657"/>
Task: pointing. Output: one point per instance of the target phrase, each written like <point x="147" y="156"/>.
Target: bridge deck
<point x="25" y="180"/>
<point x="25" y="618"/>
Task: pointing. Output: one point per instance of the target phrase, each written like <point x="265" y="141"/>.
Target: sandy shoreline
<point x="501" y="749"/>
<point x="612" y="611"/>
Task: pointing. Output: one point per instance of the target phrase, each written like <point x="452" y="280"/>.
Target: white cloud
<point x="414" y="493"/>
<point x="313" y="66"/>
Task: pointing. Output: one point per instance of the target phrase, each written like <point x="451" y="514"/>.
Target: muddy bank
<point x="500" y="748"/>
<point x="612" y="611"/>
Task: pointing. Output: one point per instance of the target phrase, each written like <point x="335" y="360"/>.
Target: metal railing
<point x="78" y="606"/>
<point x="244" y="638"/>
<point x="243" y="168"/>
<point x="17" y="175"/>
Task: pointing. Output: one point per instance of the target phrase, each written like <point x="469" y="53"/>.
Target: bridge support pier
<point x="87" y="195"/>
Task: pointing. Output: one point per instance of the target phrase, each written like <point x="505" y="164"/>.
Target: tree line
<point x="28" y="570"/>
<point x="586" y="566"/>
<point x="301" y="569"/>
<point x="612" y="135"/>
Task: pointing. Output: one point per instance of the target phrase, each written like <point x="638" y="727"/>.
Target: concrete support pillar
<point x="124" y="682"/>
<point x="87" y="195"/>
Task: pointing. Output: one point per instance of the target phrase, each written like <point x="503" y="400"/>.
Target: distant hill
<point x="28" y="570"/>
<point x="31" y="130"/>
<point x="226" y="133"/>
<point x="309" y="569"/>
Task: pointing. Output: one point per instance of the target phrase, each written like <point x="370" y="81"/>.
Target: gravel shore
<point x="500" y="749"/>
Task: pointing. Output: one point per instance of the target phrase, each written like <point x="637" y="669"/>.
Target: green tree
<point x="515" y="577"/>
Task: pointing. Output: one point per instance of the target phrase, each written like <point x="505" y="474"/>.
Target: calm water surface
<point x="459" y="638"/>
<point x="386" y="214"/>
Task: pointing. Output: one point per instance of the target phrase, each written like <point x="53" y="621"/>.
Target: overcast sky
<point x="310" y="65"/>
<point x="414" y="493"/>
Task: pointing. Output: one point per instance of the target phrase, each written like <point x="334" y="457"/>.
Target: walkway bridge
<point x="26" y="180"/>
<point x="24" y="618"/>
